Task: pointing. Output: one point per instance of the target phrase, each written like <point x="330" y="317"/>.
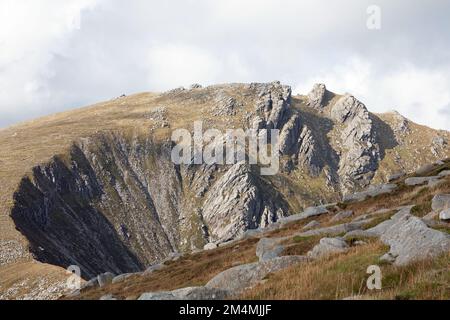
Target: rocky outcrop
<point x="341" y="216"/>
<point x="411" y="240"/>
<point x="238" y="201"/>
<point x="328" y="246"/>
<point x="272" y="105"/>
<point x="444" y="215"/>
<point x="190" y="293"/>
<point x="415" y="181"/>
<point x="245" y="276"/>
<point x="360" y="150"/>
<point x="317" y="96"/>
<point x="371" y="191"/>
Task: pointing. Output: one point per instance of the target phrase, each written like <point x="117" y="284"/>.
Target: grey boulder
<point x="328" y="246"/>
<point x="440" y="202"/>
<point x="410" y="239"/>
<point x="105" y="278"/>
<point x="268" y="248"/>
<point x="415" y="181"/>
<point x="341" y="216"/>
<point x="445" y="215"/>
<point x="190" y="293"/>
<point x="245" y="276"/>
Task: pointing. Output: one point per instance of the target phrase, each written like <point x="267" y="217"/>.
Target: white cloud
<point x="60" y="54"/>
<point x="419" y="94"/>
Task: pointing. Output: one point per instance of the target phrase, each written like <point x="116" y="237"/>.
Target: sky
<point x="57" y="55"/>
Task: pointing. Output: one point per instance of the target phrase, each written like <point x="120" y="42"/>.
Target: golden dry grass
<point x="191" y="270"/>
<point x="345" y="275"/>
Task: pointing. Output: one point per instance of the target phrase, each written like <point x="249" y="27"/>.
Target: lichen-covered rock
<point x="410" y="239"/>
<point x="105" y="278"/>
<point x="371" y="191"/>
<point x="341" y="216"/>
<point x="244" y="276"/>
<point x="396" y="176"/>
<point x="226" y="105"/>
<point x="122" y="277"/>
<point x="361" y="153"/>
<point x="424" y="169"/>
<point x="210" y="246"/>
<point x="328" y="246"/>
<point x="335" y="230"/>
<point x="440" y="202"/>
<point x="289" y="136"/>
<point x="269" y="248"/>
<point x="445" y="215"/>
<point x="444" y="173"/>
<point x="416" y="181"/>
<point x="237" y="203"/>
<point x="311" y="225"/>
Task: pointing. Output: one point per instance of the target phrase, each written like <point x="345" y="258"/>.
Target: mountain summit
<point x="96" y="187"/>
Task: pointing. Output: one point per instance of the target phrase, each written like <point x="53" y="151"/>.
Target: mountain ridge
<point x="115" y="157"/>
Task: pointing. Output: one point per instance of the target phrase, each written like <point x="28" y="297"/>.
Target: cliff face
<point x="116" y="202"/>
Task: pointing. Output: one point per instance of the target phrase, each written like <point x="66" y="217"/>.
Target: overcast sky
<point x="56" y="55"/>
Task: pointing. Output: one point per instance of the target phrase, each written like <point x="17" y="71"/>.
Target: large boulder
<point x="395" y="176"/>
<point x="105" y="279"/>
<point x="314" y="211"/>
<point x="410" y="239"/>
<point x="328" y="246"/>
<point x="361" y="152"/>
<point x="317" y="96"/>
<point x="416" y="181"/>
<point x="440" y="202"/>
<point x="311" y="225"/>
<point x="190" y="293"/>
<point x="425" y="169"/>
<point x="444" y="215"/>
<point x="371" y="191"/>
<point x="269" y="248"/>
<point x="245" y="276"/>
<point x="341" y="216"/>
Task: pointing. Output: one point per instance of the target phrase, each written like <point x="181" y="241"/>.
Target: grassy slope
<point x="334" y="277"/>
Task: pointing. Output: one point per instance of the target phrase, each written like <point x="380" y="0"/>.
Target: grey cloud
<point x="140" y="45"/>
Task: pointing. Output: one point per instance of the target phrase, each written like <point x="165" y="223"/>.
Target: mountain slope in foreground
<point x="96" y="187"/>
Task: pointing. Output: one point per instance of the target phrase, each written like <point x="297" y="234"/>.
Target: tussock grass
<point x="344" y="275"/>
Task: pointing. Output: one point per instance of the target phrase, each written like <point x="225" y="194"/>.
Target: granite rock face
<point x="117" y="203"/>
<point x="190" y="293"/>
<point x="237" y="203"/>
<point x="328" y="246"/>
<point x="410" y="239"/>
<point x="244" y="276"/>
<point x="361" y="154"/>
